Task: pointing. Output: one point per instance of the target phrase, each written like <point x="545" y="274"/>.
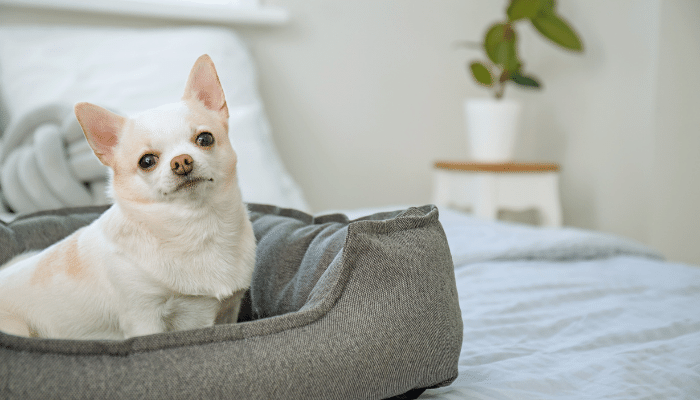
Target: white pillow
<point x="131" y="70"/>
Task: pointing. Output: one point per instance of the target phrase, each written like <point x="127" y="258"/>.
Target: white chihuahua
<point x="175" y="244"/>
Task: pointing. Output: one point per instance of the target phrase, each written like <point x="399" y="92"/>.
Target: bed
<point x="567" y="313"/>
<point x="545" y="313"/>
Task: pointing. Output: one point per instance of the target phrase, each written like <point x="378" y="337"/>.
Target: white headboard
<point x="124" y="53"/>
<point x="212" y="11"/>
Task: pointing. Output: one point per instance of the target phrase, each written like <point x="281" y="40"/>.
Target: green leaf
<point x="519" y="9"/>
<point x="526" y="81"/>
<point x="494" y="37"/>
<point x="547" y="6"/>
<point x="481" y="73"/>
<point x="500" y="45"/>
<point x="509" y="56"/>
<point x="558" y="31"/>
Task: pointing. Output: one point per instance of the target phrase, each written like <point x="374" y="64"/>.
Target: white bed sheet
<point x="568" y="314"/>
<point x="570" y="325"/>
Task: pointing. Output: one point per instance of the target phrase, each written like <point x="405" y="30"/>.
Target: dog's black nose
<point x="182" y="164"/>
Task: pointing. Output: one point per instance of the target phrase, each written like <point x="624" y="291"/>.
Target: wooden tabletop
<point x="497" y="167"/>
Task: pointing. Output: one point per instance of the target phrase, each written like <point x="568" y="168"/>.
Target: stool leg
<point x="550" y="210"/>
<point x="485" y="205"/>
<point x="551" y="215"/>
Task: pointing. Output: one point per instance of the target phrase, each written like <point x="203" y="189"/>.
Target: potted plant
<point x="492" y="124"/>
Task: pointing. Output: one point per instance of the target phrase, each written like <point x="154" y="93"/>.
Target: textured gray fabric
<point x="341" y="310"/>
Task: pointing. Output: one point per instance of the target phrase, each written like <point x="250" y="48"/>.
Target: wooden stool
<point x="487" y="188"/>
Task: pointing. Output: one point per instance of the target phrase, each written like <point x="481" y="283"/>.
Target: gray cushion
<point x="337" y="310"/>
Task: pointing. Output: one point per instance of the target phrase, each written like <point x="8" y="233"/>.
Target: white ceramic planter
<point x="492" y="128"/>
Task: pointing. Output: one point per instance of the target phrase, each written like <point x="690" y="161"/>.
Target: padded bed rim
<point x="226" y="332"/>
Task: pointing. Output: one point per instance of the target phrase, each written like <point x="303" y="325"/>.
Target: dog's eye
<point x="148" y="161"/>
<point x="205" y="139"/>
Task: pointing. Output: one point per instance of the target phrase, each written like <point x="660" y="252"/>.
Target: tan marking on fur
<point x="127" y="191"/>
<point x="230" y="168"/>
<point x="199" y="115"/>
<point x="64" y="258"/>
<point x="14" y="325"/>
<point x="125" y="163"/>
<point x="33" y="332"/>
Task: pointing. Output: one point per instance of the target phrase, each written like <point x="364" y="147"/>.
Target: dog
<point x="175" y="245"/>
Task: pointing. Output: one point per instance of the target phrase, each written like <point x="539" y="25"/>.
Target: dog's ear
<point x="203" y="85"/>
<point x="101" y="128"/>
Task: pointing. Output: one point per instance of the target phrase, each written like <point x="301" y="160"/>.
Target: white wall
<point x="364" y="95"/>
<point x="598" y="110"/>
<point x="675" y="214"/>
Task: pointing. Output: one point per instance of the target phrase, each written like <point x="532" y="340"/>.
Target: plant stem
<point x="501" y="88"/>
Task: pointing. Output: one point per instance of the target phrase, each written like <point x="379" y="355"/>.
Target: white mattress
<point x="545" y="317"/>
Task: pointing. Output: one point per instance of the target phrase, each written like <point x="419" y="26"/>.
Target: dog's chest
<point x="211" y="263"/>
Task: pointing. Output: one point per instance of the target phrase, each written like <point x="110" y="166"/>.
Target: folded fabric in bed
<point x="46" y="69"/>
<point x="337" y="309"/>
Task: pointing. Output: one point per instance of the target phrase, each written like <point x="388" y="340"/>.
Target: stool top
<point x="497" y="167"/>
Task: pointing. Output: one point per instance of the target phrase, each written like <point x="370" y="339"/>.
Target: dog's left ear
<point x="203" y="85"/>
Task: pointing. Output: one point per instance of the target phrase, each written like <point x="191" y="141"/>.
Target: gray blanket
<point x="473" y="240"/>
<point x="46" y="163"/>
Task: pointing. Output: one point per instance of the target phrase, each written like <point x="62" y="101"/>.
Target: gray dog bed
<point x="338" y="309"/>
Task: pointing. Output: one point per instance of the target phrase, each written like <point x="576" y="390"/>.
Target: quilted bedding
<point x="566" y="313"/>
